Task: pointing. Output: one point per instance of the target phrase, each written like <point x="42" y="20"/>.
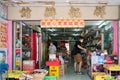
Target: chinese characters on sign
<point x="3" y="34"/>
<point x="62" y="23"/>
<point x="25" y="12"/>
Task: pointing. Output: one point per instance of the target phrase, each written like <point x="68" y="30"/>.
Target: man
<point x="52" y="48"/>
<point x="77" y="57"/>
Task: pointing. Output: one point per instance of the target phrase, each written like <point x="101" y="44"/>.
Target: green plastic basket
<point x="50" y="78"/>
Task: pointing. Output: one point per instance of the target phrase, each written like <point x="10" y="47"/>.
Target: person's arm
<point x="81" y="48"/>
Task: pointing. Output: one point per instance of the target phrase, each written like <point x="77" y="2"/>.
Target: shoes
<point x="75" y="72"/>
<point x="81" y="73"/>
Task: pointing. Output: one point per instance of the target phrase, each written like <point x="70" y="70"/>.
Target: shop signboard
<point x="61" y="23"/>
<point x="3" y="33"/>
<point x="3" y="40"/>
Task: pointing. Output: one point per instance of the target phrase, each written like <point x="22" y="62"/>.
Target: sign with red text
<point x="62" y="23"/>
<point x="3" y="33"/>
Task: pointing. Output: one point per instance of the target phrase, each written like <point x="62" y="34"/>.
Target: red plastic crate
<point x="53" y="63"/>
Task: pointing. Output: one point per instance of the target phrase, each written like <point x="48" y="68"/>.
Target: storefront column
<point x="9" y="59"/>
<point x="119" y="44"/>
<point x="115" y="39"/>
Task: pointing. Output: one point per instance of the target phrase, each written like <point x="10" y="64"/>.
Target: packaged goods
<point x="50" y="78"/>
<point x="29" y="65"/>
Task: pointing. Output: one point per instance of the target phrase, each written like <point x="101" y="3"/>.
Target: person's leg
<point x="80" y="65"/>
<point x="75" y="66"/>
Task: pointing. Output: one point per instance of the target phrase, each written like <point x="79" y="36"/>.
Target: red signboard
<point x="61" y="23"/>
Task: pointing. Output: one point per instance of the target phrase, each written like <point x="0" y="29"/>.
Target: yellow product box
<point x="100" y="77"/>
<point x="15" y="73"/>
<point x="55" y="74"/>
<point x="97" y="73"/>
<point x="54" y="71"/>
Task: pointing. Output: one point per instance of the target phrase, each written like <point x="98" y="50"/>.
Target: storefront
<point x="26" y="46"/>
<point x="65" y="21"/>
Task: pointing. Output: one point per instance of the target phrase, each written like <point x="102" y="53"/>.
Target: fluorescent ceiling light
<point x="77" y="30"/>
<point x="75" y="34"/>
<point x="54" y="34"/>
<point x="103" y="23"/>
<point x="107" y="27"/>
<point x="52" y="30"/>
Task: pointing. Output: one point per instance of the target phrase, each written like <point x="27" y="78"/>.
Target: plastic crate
<point x="50" y="78"/>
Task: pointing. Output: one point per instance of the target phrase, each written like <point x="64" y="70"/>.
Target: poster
<point x="3" y="40"/>
<point x="3" y="33"/>
<point x="3" y="56"/>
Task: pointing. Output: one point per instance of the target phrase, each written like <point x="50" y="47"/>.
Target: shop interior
<point x="35" y="44"/>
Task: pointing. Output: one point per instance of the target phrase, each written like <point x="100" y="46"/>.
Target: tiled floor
<point x="70" y="75"/>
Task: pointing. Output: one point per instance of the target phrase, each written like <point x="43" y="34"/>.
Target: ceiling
<point x="59" y="2"/>
<point x="70" y="33"/>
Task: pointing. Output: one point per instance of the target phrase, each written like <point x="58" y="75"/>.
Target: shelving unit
<point x="17" y="45"/>
<point x="26" y="43"/>
<point x="93" y="39"/>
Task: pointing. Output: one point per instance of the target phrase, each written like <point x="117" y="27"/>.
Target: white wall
<point x="112" y="12"/>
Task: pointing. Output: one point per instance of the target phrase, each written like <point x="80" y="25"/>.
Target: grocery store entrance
<point x="99" y="38"/>
<point x="99" y="41"/>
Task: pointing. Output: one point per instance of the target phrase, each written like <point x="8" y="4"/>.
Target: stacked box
<point x="54" y="71"/>
<point x="29" y="65"/>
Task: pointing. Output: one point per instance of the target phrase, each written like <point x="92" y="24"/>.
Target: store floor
<point x="70" y="75"/>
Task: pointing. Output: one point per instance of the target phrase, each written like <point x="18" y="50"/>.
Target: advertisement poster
<point x="3" y="33"/>
<point x="3" y="40"/>
<point x="3" y="56"/>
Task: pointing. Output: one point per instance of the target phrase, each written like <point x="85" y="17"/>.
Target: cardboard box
<point x="28" y="65"/>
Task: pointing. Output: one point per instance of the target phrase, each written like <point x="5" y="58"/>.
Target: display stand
<point x="96" y="64"/>
<point x="54" y="68"/>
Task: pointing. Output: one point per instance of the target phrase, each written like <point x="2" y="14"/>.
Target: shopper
<point x="78" y="57"/>
<point x="52" y="48"/>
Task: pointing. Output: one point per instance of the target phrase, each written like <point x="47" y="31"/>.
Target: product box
<point x="54" y="71"/>
<point x="28" y="65"/>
